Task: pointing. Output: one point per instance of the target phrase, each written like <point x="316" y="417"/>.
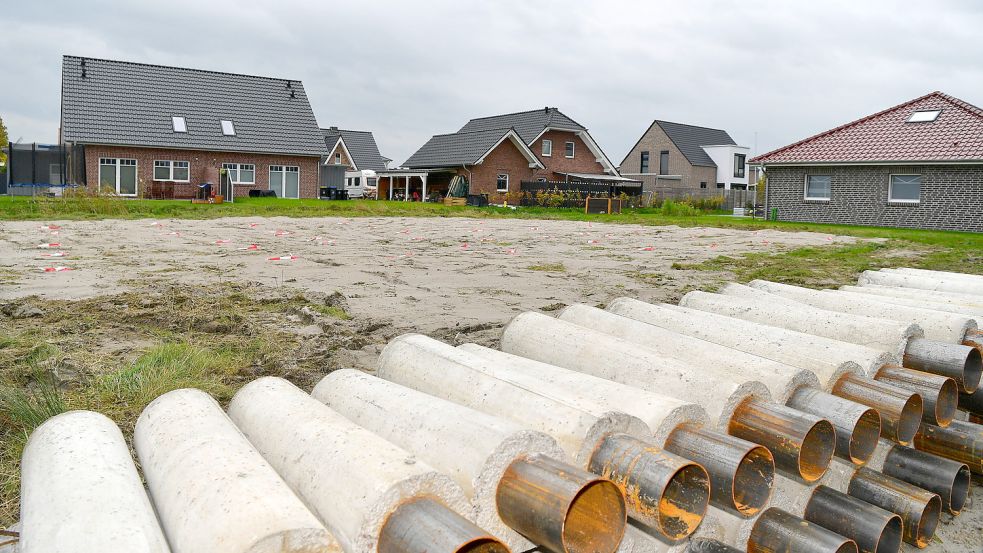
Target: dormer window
<point x="337" y="158"/>
<point x="179" y="124"/>
<point x="924" y="116"/>
<point x="228" y="129"/>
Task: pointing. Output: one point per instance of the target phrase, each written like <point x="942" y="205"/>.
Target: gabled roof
<point x="528" y="124"/>
<point x="360" y="145"/>
<point x="464" y="148"/>
<point x="126" y="103"/>
<point x="690" y="140"/>
<point x="956" y="135"/>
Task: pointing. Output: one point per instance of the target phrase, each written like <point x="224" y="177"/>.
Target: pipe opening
<point x="753" y="481"/>
<point x="684" y="502"/>
<point x="928" y="521"/>
<point x="592" y="513"/>
<point x="947" y="403"/>
<point x="816" y="451"/>
<point x="421" y="525"/>
<point x="960" y="490"/>
<point x="973" y="371"/>
<point x="863" y="439"/>
<point x="483" y="545"/>
<point x="908" y="421"/>
<point x="891" y="537"/>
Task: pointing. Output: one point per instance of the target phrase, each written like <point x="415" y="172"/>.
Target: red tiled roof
<point x="886" y="136"/>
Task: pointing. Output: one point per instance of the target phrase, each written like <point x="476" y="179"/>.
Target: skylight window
<point x="180" y="125"/>
<point x="924" y="116"/>
<point x="227" y="128"/>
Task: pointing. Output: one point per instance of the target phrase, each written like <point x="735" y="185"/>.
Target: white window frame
<point x="117" y="163"/>
<point x="924" y="115"/>
<point x="890" y="189"/>
<point x="179" y="124"/>
<point x="573" y="149"/>
<point x="805" y="189"/>
<point x="283" y="182"/>
<point x="498" y="177"/>
<point x="170" y="170"/>
<point x="547" y="147"/>
<point x="238" y="171"/>
<point x="228" y="127"/>
<point x="337" y="158"/>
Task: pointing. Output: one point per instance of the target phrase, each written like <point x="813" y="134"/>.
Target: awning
<point x="596" y="177"/>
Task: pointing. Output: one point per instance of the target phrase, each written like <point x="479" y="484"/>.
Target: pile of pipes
<point x="762" y="418"/>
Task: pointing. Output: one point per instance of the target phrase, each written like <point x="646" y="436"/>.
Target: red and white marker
<point x="55" y="269"/>
<point x="223" y="241"/>
<point x="593" y="241"/>
<point x="250" y="247"/>
<point x="175" y="233"/>
<point x="647" y="249"/>
<point x="51" y="245"/>
<point x="282" y="233"/>
<point x="510" y="251"/>
<point x="53" y="254"/>
<point x="253" y="225"/>
<point x="49" y="227"/>
<point x="156" y="224"/>
<point x="464" y="246"/>
<point x="283" y="258"/>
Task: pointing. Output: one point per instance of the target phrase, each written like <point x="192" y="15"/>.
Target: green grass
<point x="549" y="267"/>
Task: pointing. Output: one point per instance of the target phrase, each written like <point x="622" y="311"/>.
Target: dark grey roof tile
<point x="690" y="139"/>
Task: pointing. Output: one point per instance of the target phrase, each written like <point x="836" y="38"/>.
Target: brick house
<point x="497" y="153"/>
<point x="156" y="131"/>
<point x="915" y="165"/>
<point x="679" y="159"/>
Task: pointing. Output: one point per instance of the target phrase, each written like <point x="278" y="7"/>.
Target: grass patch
<point x="332" y="311"/>
<point x="549" y="267"/>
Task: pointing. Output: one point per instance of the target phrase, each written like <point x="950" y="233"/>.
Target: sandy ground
<point x="457" y="279"/>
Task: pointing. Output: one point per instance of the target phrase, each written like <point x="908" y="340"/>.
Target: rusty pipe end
<point x="957" y="443"/>
<point x="802" y="444"/>
<point x="919" y="509"/>
<point x="964" y="364"/>
<point x="858" y="427"/>
<point x="664" y="491"/>
<point x="423" y="525"/>
<point x="940" y="394"/>
<point x="945" y="477"/>
<point x="872" y="528"/>
<point x="900" y="409"/>
<point x="561" y="507"/>
<point x="776" y="530"/>
<point x="945" y="406"/>
<point x="742" y="473"/>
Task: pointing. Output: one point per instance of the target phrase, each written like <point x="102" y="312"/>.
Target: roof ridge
<point x="690" y="125"/>
<point x="475" y="132"/>
<point x="961" y="103"/>
<point x="329" y="129"/>
<point x="212" y="71"/>
<point x="507" y="114"/>
<point x="850" y="124"/>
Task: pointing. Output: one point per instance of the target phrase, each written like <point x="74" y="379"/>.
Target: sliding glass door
<point x="285" y="181"/>
<point x="118" y="176"/>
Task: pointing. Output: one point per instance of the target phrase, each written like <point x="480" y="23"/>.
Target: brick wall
<point x="951" y="196"/>
<point x="583" y="160"/>
<point x="344" y="158"/>
<point x="507" y="159"/>
<point x="204" y="167"/>
<point x="655" y="141"/>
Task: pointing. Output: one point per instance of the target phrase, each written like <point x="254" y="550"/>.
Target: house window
<point x="924" y="116"/>
<point x="228" y="129"/>
<point x="337" y="158"/>
<point x="569" y="149"/>
<point x="818" y="187"/>
<point x="664" y="162"/>
<point x="541" y="179"/>
<point x="739" y="165"/>
<point x="644" y="165"/>
<point x="703" y="184"/>
<point x="179" y="124"/>
<point x="720" y="185"/>
<point x="905" y="189"/>
<point x="371" y="182"/>
<point x="547" y="148"/>
<point x="285" y="181"/>
<point x="118" y="176"/>
<point x="177" y="171"/>
<point x="240" y="173"/>
<point x="502" y="182"/>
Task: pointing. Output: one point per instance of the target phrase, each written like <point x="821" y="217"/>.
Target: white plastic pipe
<point x="213" y="491"/>
<point x="472" y="447"/>
<point x="81" y="492"/>
<point x="876" y="333"/>
<point x="945" y="327"/>
<point x="351" y="478"/>
<point x="971" y="300"/>
<point x="919" y="282"/>
<point x="926" y="302"/>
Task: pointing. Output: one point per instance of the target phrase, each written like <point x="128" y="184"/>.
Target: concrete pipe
<point x="839" y="365"/>
<point x="516" y="485"/>
<point x="359" y="484"/>
<point x="919" y="509"/>
<point x="663" y="490"/>
<point x="801" y="443"/>
<point x="899" y="280"/>
<point x="81" y="492"/>
<point x="960" y="443"/>
<point x="776" y="530"/>
<point x="741" y="472"/>
<point x="935" y="304"/>
<point x="857" y="426"/>
<point x="943" y="275"/>
<point x="213" y="491"/>
<point x="940" y="394"/>
<point x="968" y="300"/>
<point x="950" y="480"/>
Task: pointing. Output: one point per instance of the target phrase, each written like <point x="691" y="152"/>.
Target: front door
<point x="118" y="176"/>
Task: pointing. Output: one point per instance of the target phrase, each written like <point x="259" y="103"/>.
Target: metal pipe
<point x="919" y="509"/>
<point x="667" y="492"/>
<point x="945" y="477"/>
<point x="940" y="394"/>
<point x="858" y="427"/>
<point x="777" y="531"/>
<point x="972" y="402"/>
<point x="900" y="409"/>
<point x="872" y="528"/>
<point x="741" y="473"/>
<point x="802" y="444"/>
<point x="560" y="507"/>
<point x="952" y="443"/>
<point x="423" y="525"/>
<point x="706" y="545"/>
<point x="960" y="363"/>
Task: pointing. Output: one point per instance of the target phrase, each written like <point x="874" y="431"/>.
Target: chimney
<point x="332" y="128"/>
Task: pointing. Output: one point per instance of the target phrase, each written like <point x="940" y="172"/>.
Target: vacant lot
<point x="149" y="305"/>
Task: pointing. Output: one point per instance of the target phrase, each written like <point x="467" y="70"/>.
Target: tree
<point x="4" y="141"/>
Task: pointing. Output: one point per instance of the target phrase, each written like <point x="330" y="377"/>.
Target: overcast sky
<point x="769" y="72"/>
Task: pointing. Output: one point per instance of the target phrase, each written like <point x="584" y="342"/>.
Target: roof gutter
<point x="865" y="163"/>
